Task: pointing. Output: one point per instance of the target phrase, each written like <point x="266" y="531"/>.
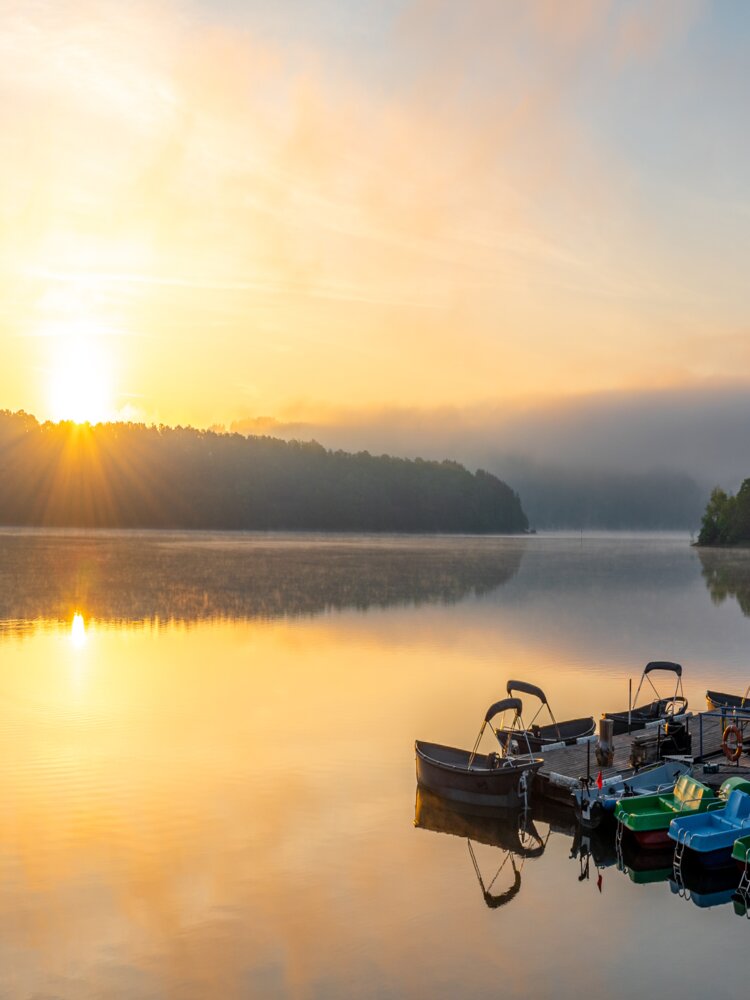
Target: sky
<point x="336" y="212"/>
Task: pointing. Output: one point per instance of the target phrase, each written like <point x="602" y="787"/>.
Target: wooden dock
<point x="564" y="766"/>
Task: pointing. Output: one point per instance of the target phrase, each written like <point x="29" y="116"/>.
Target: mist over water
<point x="626" y="460"/>
<point x="209" y="766"/>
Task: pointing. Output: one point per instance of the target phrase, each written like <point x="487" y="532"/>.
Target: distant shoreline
<point x="126" y="475"/>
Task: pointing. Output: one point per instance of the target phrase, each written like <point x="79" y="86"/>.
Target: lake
<point x="208" y="781"/>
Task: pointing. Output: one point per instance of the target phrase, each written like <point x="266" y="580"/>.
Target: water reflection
<point x="517" y="838"/>
<point x="726" y="573"/>
<point x="227" y="808"/>
<point x="706" y="888"/>
<point x="593" y="847"/>
<point x="160" y="576"/>
<point x="513" y="832"/>
<point x="78" y="630"/>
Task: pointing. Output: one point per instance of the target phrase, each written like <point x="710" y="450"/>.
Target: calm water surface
<point x="207" y="772"/>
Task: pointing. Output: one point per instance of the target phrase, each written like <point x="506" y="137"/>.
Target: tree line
<point x="726" y="520"/>
<point x="128" y="475"/>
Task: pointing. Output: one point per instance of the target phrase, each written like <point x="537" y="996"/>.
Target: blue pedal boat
<point x="709" y="836"/>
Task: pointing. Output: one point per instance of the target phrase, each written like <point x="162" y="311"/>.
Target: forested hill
<point x="726" y="520"/>
<point x="130" y="475"/>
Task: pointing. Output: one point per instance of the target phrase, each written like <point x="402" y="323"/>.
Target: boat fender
<point x="731" y="742"/>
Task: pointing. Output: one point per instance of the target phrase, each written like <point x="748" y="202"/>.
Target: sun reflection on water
<point x="78" y="630"/>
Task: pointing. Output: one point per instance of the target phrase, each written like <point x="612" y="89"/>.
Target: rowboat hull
<point x="445" y="771"/>
<point x="719" y="700"/>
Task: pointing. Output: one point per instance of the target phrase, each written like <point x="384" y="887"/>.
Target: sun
<point x="80" y="382"/>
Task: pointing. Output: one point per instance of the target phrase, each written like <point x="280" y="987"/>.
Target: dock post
<point x="605" y="748"/>
<point x="630" y="702"/>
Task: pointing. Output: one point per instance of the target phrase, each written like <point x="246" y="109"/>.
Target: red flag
<point x="599" y="781"/>
<point x="599" y="882"/>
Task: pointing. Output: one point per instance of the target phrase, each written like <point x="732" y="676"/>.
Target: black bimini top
<point x="504" y="705"/>
<point x="663" y="665"/>
<point x="531" y="689"/>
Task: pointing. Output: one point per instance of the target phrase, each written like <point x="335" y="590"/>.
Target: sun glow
<point x="81" y="385"/>
<point x="78" y="630"/>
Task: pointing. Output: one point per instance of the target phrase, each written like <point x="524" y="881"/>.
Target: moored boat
<point x="535" y="737"/>
<point x="483" y="779"/>
<point x="648" y="816"/>
<point x="660" y="710"/>
<point x="709" y="836"/>
<point x="594" y="804"/>
<point x="719" y="700"/>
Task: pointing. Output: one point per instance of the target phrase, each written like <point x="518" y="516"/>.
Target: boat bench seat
<point x="737" y="811"/>
<point x="655" y="812"/>
<point x="688" y="795"/>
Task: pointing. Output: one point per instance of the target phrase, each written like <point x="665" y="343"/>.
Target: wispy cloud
<point x="456" y="211"/>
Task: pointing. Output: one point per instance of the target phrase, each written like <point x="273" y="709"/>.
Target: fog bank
<point x="625" y="460"/>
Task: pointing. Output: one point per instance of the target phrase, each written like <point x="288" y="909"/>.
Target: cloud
<point x="645" y="29"/>
<point x="700" y="431"/>
<point x="442" y="226"/>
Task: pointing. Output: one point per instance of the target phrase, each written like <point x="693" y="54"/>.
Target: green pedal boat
<point x="648" y="816"/>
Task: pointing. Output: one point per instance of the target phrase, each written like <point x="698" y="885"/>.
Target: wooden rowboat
<point x="662" y="709"/>
<point x="718" y="699"/>
<point x="484" y="779"/>
<point x="535" y="737"/>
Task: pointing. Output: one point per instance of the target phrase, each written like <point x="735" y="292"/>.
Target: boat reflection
<point x="520" y="836"/>
<point x="494" y="901"/>
<point x="513" y="831"/>
<point x="644" y="867"/>
<point x="593" y="846"/>
<point x="741" y="903"/>
<point x="706" y="887"/>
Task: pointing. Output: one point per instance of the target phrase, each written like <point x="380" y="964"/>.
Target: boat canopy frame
<point x="514" y="705"/>
<point x="535" y="692"/>
<point x="662" y="665"/>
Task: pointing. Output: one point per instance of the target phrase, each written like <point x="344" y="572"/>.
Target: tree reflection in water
<point x="726" y="573"/>
<point x="126" y="577"/>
